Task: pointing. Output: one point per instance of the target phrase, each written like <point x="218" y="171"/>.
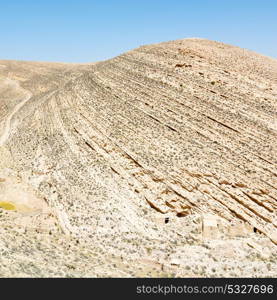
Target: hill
<point x="159" y="161"/>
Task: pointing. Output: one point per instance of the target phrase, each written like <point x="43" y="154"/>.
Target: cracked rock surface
<point x="158" y="162"/>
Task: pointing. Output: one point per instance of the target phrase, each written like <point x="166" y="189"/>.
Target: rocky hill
<point x="158" y="162"/>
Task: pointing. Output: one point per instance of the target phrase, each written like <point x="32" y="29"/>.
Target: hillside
<point x="158" y="162"/>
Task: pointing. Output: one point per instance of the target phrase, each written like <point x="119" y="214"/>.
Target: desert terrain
<point x="160" y="162"/>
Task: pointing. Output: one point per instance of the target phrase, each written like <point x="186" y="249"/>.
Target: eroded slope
<point x="137" y="155"/>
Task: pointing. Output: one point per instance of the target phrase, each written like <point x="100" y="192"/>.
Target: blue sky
<point x="87" y="31"/>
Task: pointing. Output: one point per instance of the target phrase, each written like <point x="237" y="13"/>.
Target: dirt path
<point x="7" y="128"/>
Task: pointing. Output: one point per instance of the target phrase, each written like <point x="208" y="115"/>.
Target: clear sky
<point x="88" y="30"/>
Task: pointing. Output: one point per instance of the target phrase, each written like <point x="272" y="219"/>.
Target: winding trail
<point x="7" y="128"/>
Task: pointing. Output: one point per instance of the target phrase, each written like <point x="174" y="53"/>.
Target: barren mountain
<point x="158" y="162"/>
